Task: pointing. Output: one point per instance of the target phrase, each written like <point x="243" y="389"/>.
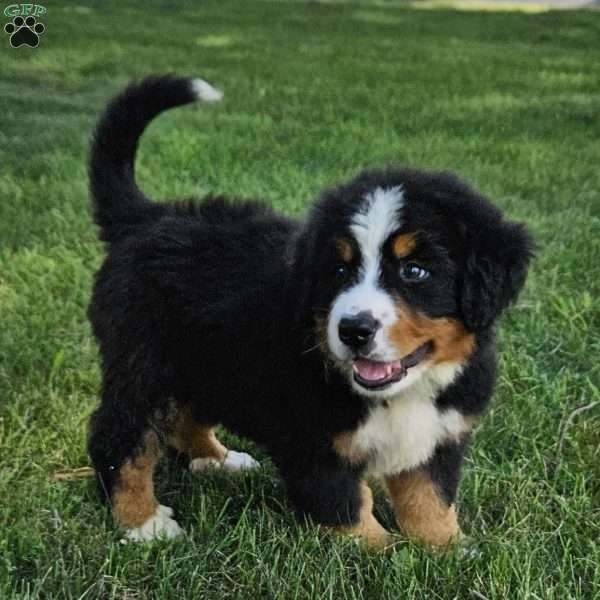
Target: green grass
<point x="314" y="93"/>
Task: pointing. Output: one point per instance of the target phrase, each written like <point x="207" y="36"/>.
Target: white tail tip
<point x="205" y="91"/>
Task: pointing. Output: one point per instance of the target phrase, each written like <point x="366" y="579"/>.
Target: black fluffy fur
<point x="212" y="304"/>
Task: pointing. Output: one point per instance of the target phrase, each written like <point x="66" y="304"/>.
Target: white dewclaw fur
<point x="404" y="432"/>
<point x="234" y="461"/>
<point x="160" y="525"/>
<point x="205" y="91"/>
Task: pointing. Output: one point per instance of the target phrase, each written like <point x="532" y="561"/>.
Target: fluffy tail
<point x="118" y="202"/>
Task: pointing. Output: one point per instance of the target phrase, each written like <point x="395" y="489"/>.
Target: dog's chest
<point x="404" y="434"/>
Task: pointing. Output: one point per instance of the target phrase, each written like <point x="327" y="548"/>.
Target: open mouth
<point x="375" y="375"/>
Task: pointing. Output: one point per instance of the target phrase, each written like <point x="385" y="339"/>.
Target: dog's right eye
<point x="341" y="271"/>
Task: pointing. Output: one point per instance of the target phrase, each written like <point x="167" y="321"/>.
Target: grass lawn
<point x="314" y="93"/>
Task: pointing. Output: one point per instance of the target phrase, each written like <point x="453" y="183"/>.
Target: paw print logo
<point x="24" y="32"/>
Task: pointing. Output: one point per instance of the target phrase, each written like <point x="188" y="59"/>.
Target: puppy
<point x="356" y="342"/>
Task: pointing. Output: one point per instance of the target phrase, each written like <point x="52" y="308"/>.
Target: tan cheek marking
<point x="321" y="334"/>
<point x="471" y="421"/>
<point x="420" y="511"/>
<point x="343" y="444"/>
<point x="368" y="527"/>
<point x="133" y="501"/>
<point x="404" y="244"/>
<point x="345" y="250"/>
<point x="452" y="342"/>
<point x="195" y="439"/>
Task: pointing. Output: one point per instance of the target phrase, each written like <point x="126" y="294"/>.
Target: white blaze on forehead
<point x="372" y="226"/>
<point x="377" y="219"/>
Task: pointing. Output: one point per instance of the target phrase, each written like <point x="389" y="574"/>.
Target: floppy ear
<point x="495" y="269"/>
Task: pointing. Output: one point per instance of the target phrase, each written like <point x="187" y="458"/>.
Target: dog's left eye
<point x="414" y="272"/>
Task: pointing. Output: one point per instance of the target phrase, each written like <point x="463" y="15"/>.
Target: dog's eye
<point x="341" y="271"/>
<point x="414" y="272"/>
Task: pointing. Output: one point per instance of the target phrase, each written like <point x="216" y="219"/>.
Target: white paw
<point x="161" y="525"/>
<point x="239" y="461"/>
<point x="166" y="511"/>
<point x="234" y="461"/>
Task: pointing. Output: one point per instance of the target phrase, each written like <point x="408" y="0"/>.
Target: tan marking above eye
<point x="403" y="244"/>
<point x="345" y="250"/>
<point x="452" y="342"/>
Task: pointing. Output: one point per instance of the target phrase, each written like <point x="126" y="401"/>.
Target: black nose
<point x="358" y="330"/>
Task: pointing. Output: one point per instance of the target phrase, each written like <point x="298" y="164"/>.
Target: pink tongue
<point x="370" y="370"/>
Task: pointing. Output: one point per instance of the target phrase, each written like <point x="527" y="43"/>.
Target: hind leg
<point x="199" y="442"/>
<point x="124" y="453"/>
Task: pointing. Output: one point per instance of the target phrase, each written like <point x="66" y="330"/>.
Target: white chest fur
<point x="405" y="433"/>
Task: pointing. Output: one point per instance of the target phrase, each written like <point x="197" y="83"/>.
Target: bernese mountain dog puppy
<point x="357" y="342"/>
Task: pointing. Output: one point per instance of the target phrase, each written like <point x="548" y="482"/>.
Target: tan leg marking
<point x="420" y="511"/>
<point x="196" y="440"/>
<point x="203" y="448"/>
<point x="368" y="527"/>
<point x="133" y="501"/>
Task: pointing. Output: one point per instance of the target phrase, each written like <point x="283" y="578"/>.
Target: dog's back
<point x="197" y="250"/>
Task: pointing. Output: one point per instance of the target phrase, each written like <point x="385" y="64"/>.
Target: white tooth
<point x="354" y="368"/>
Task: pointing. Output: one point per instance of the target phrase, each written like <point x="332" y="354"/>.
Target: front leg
<point x="424" y="498"/>
<point x="335" y="497"/>
<point x="367" y="527"/>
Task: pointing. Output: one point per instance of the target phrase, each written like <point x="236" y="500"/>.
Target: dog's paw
<point x="234" y="461"/>
<point x="202" y="464"/>
<point x="161" y="525"/>
<point x="239" y="461"/>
